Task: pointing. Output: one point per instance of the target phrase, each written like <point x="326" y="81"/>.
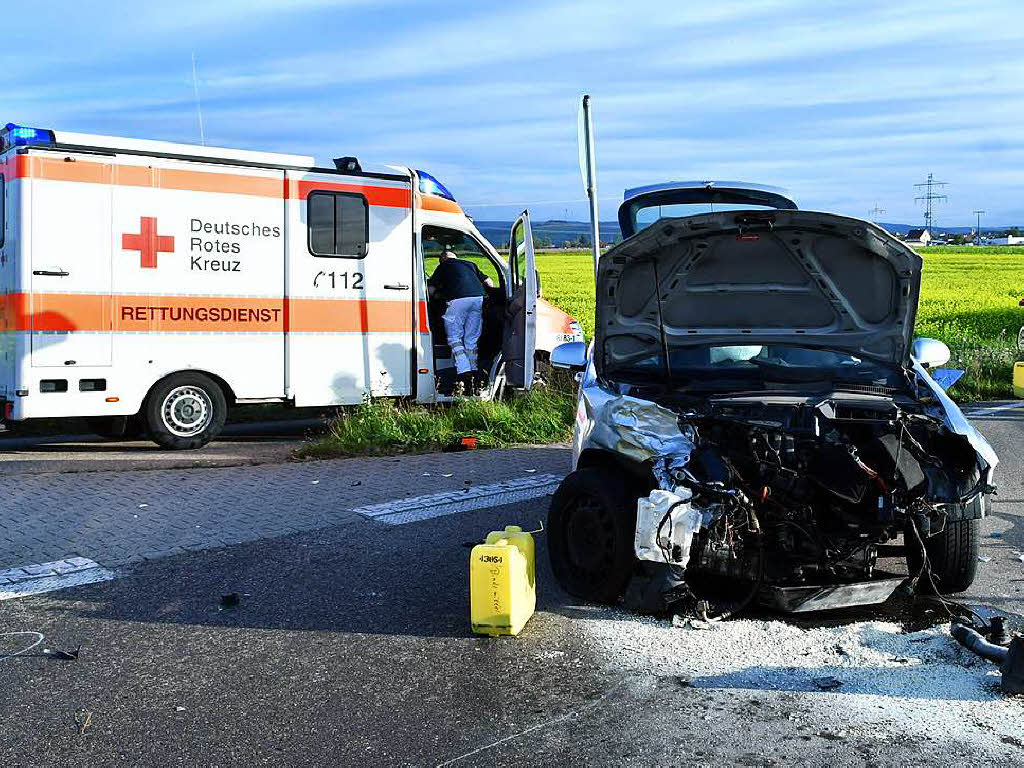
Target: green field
<point x="968" y="299"/>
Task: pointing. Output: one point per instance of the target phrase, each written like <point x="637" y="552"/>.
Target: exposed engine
<point x="805" y="494"/>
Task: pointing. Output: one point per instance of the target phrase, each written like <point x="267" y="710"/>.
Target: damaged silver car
<point x="756" y="423"/>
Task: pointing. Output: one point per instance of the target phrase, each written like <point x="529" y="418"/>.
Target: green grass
<point x="969" y="300"/>
<point x="387" y="427"/>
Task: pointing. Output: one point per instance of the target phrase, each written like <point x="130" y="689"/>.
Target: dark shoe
<point x="468" y="382"/>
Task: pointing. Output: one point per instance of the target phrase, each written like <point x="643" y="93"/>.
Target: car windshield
<point x="781" y="362"/>
<point x="648" y="215"/>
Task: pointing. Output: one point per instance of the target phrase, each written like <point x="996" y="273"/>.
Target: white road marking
<point x="416" y="508"/>
<point x="992" y="410"/>
<point x="39" y="638"/>
<point x="28" y="580"/>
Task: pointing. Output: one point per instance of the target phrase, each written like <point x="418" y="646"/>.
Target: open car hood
<point x="752" y="277"/>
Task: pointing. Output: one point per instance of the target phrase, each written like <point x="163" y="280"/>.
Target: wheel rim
<point x="590" y="539"/>
<point x="187" y="411"/>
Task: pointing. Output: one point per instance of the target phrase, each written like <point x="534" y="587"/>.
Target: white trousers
<point x="463" y="322"/>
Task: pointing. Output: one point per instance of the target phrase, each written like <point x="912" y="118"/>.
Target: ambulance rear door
<point x="521" y="322"/>
<point x="70" y="261"/>
<point x="352" y="317"/>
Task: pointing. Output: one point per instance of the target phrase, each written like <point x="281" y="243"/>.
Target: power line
<point x="978" y="214"/>
<point x="929" y="198"/>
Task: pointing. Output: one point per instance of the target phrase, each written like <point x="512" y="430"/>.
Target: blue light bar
<point x="431" y="186"/>
<point x="18" y="136"/>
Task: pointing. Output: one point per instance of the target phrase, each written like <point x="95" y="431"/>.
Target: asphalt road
<point x="242" y="444"/>
<point x="350" y="645"/>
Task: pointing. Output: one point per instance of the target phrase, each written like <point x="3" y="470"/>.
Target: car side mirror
<point x="930" y="352"/>
<point x="540" y="291"/>
<point x="570" y="356"/>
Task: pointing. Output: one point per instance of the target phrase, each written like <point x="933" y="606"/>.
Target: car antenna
<point x="661" y="324"/>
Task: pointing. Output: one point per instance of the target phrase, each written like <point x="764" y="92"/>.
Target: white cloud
<point x="485" y="38"/>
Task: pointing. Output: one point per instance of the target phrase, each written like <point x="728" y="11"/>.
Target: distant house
<point x="1006" y="240"/>
<point x="918" y="237"/>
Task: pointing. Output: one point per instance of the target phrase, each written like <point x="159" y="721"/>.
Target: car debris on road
<point x="1010" y="658"/>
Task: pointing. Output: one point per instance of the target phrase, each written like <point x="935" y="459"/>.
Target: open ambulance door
<point x="521" y="316"/>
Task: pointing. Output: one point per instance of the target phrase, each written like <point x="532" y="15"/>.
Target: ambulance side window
<point x="338" y="224"/>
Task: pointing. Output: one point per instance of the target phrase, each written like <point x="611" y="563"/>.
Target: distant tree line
<point x="539" y="241"/>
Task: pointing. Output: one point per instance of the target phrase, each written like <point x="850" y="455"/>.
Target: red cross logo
<point x="148" y="242"/>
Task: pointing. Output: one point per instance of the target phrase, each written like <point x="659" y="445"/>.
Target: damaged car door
<point x="753" y="424"/>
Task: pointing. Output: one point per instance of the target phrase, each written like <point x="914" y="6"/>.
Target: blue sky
<point x="846" y="103"/>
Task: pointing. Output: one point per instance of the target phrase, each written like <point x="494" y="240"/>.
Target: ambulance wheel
<point x="117" y="427"/>
<point x="186" y="410"/>
<point x="590" y="535"/>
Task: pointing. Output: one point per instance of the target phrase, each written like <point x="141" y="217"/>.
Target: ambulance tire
<point x="185" y="410"/>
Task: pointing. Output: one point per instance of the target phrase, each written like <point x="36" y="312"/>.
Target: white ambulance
<point x="150" y="286"/>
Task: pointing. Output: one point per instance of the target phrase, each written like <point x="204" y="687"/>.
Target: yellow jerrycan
<point x="502" y="585"/>
<point x="1018" y="379"/>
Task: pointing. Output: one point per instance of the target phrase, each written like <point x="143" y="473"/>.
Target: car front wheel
<point x="590" y="535"/>
<point x="952" y="553"/>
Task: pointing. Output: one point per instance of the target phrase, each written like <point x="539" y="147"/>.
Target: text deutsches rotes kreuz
<point x="223" y="238"/>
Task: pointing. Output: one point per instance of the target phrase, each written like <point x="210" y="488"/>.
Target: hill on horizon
<point x="560" y="231"/>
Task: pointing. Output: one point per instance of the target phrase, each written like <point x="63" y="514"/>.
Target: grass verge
<point x="386" y="427"/>
<point x="988" y="370"/>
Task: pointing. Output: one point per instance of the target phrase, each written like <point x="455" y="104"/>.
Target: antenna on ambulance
<point x="585" y="140"/>
<point x="199" y="104"/>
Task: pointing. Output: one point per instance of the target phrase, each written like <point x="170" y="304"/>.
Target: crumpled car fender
<point x="949" y="413"/>
<point x="633" y="428"/>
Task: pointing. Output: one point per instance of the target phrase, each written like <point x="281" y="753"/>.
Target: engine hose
<point x="972" y="641"/>
<point x="743" y="604"/>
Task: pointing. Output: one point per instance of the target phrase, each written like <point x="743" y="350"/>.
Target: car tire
<point x="117" y="427"/>
<point x="184" y="411"/>
<point x="591" y="525"/>
<point x="952" y="554"/>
